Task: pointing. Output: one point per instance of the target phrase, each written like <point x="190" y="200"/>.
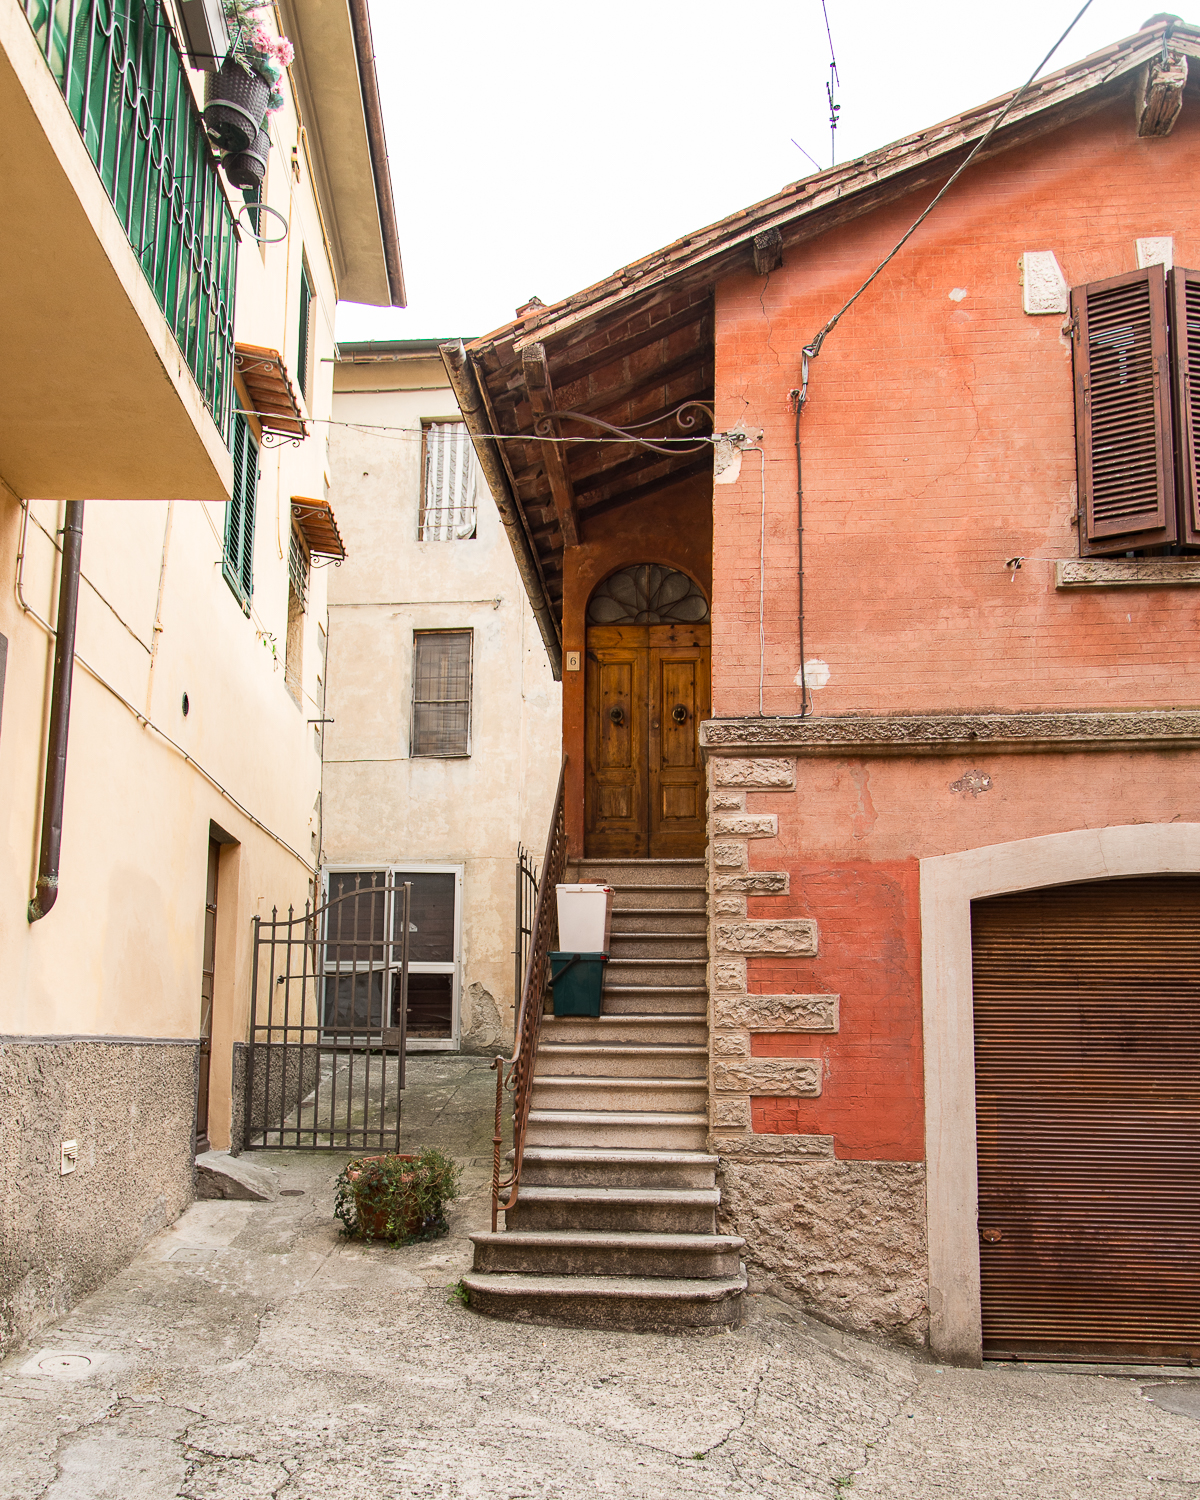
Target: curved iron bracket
<point x="686" y="415"/>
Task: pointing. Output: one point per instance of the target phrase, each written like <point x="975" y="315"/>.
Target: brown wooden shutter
<point x="1087" y="1095"/>
<point x="1184" y="291"/>
<point x="1123" y="413"/>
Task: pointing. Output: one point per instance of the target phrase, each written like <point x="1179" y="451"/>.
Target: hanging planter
<point x="246" y="169"/>
<point x="235" y="105"/>
<point x="246" y="89"/>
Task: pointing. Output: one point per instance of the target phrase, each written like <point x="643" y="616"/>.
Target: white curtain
<point x="450" y="480"/>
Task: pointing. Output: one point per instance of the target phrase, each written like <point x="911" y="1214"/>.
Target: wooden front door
<point x="648" y="688"/>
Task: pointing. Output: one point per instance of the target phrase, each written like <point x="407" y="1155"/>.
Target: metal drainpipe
<point x="46" y="891"/>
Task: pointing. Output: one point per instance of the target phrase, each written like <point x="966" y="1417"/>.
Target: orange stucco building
<point x="951" y="834"/>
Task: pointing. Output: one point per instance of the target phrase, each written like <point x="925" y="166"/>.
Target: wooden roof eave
<point x="815" y="204"/>
<point x="468" y="390"/>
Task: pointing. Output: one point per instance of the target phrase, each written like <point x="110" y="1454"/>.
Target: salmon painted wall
<point x="938" y="442"/>
<point x="673" y="529"/>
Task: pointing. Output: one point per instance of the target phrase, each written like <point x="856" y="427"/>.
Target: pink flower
<point x="283" y="51"/>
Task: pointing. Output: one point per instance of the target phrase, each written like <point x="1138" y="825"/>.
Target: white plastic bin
<point x="584" y="918"/>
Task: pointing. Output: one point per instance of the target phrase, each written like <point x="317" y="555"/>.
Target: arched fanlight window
<point x="646" y="594"/>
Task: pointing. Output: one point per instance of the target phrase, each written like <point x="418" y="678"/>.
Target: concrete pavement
<point x="250" y="1352"/>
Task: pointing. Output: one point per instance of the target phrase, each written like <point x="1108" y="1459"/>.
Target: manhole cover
<point x="291" y="1192"/>
<point x="192" y="1252"/>
<point x="64" y="1364"/>
<point x="1182" y="1399"/>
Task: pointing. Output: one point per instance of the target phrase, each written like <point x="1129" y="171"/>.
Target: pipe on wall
<point x="46" y="890"/>
<point x="465" y="385"/>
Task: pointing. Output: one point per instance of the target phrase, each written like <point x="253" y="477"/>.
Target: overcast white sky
<point x="536" y="147"/>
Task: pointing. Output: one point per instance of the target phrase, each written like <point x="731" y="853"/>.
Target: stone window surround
<point x="949" y="883"/>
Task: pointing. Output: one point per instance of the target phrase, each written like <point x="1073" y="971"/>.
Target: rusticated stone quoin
<point x="792" y="1077"/>
<point x="730" y="1044"/>
<point x="730" y="974"/>
<point x="730" y="1114"/>
<point x="756" y="882"/>
<point x="728" y="801"/>
<point x="780" y="1012"/>
<point x="795" y="935"/>
<point x="755" y="775"/>
<point x="949" y="734"/>
<point x="729" y="856"/>
<point x="729" y="904"/>
<point x="772" y="1147"/>
<point x="845" y="1237"/>
<point x="747" y="825"/>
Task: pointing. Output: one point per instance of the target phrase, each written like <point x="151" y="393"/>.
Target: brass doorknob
<point x="992" y="1236"/>
<point x="679" y="714"/>
<point x="617" y="714"/>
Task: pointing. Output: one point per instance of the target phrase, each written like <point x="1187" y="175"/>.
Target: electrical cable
<point x="814" y="348"/>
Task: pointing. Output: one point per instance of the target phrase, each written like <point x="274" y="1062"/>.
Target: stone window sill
<point x="1124" y="572"/>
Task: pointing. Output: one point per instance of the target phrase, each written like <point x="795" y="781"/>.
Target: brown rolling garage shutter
<point x="1087" y="1056"/>
<point x="1123" y="413"/>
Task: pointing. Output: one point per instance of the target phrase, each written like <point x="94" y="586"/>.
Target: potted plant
<point x="398" y="1198"/>
<point x="239" y="96"/>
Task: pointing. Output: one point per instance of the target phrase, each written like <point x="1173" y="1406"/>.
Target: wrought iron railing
<point x="516" y="1073"/>
<point x="527" y="890"/>
<point x="121" y="73"/>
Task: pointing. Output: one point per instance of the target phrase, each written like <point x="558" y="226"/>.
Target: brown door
<point x="647" y="691"/>
<point x="207" y="972"/>
<point x="1087" y="1086"/>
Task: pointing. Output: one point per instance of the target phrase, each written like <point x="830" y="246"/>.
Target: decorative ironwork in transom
<point x="646" y="594"/>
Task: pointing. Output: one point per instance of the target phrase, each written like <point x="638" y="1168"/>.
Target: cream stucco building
<point x="169" y="364"/>
<point x="442" y="754"/>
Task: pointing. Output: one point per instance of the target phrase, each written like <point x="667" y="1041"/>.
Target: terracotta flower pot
<point x="235" y="104"/>
<point x="373" y="1222"/>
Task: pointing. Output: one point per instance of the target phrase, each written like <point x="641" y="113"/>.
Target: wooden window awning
<point x="272" y="395"/>
<point x="315" y="523"/>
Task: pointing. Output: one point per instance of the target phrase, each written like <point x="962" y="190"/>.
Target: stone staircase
<point x="615" y="1223"/>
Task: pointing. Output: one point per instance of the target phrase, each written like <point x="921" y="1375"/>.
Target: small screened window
<point x="449" y="483"/>
<point x="238" y="562"/>
<point x="304" y="335"/>
<point x="441" y="718"/>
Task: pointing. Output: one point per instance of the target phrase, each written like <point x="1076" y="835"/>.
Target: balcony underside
<point x="96" y="400"/>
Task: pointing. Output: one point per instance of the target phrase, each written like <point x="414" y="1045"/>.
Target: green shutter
<point x="304" y="334"/>
<point x="239" y="513"/>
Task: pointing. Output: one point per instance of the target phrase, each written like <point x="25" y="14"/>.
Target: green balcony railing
<point x="121" y="73"/>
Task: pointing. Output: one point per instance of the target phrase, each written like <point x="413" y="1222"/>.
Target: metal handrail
<point x="517" y="1072"/>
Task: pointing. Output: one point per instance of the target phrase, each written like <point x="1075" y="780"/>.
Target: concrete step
<point x="655" y="999"/>
<point x="689" y="898"/>
<point x="656" y="945"/>
<point x="649" y="1094"/>
<point x="643" y="1210"/>
<point x="688" y="921"/>
<point x="555" y="1166"/>
<point x="655" y="1130"/>
<point x="666" y="971"/>
<point x="606" y="1030"/>
<point x="567" y="1252"/>
<point x="627" y="1302"/>
<point x="578" y="1059"/>
<point x="622" y="873"/>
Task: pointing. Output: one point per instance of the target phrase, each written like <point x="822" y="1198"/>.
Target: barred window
<point x="441" y="719"/>
<point x="448" y="483"/>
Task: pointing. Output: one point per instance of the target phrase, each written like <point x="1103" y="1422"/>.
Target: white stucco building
<point x="443" y="750"/>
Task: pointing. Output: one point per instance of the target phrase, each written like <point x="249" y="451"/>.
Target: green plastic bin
<point x="578" y="979"/>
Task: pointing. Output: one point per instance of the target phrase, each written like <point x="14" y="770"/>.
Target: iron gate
<point x="328" y="1009"/>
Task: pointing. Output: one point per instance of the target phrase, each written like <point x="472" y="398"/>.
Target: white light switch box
<point x="69" y="1156"/>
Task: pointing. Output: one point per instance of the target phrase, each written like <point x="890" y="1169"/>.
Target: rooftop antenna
<point x="831" y="92"/>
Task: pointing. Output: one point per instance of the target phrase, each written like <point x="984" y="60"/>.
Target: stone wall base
<point x="131" y="1107"/>
<point x="846" y="1239"/>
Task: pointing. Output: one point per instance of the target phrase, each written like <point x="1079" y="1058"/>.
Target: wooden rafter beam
<point x="553" y="455"/>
